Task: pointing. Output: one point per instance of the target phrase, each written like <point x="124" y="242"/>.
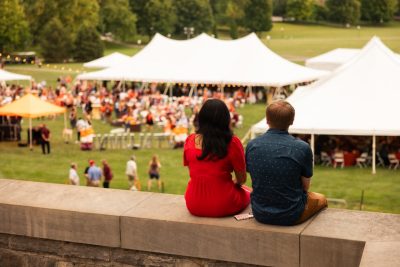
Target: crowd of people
<point x="133" y="106"/>
<point x="94" y="174"/>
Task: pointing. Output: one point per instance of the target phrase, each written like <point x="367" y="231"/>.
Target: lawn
<point x="295" y="42"/>
<point x="381" y="191"/>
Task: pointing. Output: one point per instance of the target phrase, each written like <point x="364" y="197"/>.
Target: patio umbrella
<point x="30" y="106"/>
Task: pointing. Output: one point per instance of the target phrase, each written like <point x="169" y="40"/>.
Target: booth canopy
<point x="30" y="106"/>
<point x="360" y="98"/>
<point x="111" y="60"/>
<point x="204" y="59"/>
<point x="333" y="59"/>
<point x="9" y="76"/>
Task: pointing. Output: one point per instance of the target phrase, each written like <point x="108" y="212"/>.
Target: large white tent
<point x="9" y="76"/>
<point x="203" y="59"/>
<point x="360" y="98"/>
<point x="110" y="60"/>
<point x="333" y="59"/>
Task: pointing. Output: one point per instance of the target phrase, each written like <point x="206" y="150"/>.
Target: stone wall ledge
<point x="107" y="223"/>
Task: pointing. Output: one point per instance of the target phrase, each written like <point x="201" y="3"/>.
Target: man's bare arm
<point x="306" y="183"/>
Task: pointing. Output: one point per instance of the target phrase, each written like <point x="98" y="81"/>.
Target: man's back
<point x="94" y="173"/>
<point x="276" y="162"/>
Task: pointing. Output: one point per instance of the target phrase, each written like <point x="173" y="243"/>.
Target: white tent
<point x="203" y="59"/>
<point x="111" y="60"/>
<point x="360" y="98"/>
<point x="333" y="59"/>
<point x="9" y="76"/>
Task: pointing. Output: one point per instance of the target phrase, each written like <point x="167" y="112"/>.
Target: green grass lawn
<point x="381" y="191"/>
<point x="295" y="42"/>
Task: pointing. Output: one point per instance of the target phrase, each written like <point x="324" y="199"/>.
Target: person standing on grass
<point x="73" y="175"/>
<point x="94" y="174"/>
<point x="154" y="172"/>
<point x="107" y="173"/>
<point x="45" y="136"/>
<point x="281" y="168"/>
<point x="131" y="172"/>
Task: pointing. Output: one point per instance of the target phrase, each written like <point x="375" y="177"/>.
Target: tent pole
<point x="30" y="133"/>
<point x="194" y="88"/>
<point x="373" y="154"/>
<point x="313" y="147"/>
<point x="166" y="89"/>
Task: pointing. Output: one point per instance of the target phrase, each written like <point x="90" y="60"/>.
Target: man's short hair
<point x="280" y="115"/>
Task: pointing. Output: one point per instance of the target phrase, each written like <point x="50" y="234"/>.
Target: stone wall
<point x="60" y="225"/>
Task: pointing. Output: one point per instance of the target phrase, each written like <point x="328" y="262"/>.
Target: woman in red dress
<point x="212" y="154"/>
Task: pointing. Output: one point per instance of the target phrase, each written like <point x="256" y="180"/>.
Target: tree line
<point x="338" y="11"/>
<point x="71" y="29"/>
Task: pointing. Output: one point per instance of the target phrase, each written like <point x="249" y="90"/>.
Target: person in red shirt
<point x="107" y="173"/>
<point x="45" y="139"/>
<point x="212" y="154"/>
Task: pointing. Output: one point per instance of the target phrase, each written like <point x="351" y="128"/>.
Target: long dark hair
<point x="214" y="126"/>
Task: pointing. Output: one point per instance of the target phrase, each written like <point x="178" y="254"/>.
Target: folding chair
<point x="393" y="162"/>
<point x="361" y="161"/>
<point x="338" y="158"/>
<point x="326" y="160"/>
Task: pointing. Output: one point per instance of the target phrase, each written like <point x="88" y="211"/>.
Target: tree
<point x="235" y="16"/>
<point x="55" y="41"/>
<point x="193" y="13"/>
<point x="378" y="11"/>
<point x="117" y="18"/>
<point x="279" y="7"/>
<point x="71" y="13"/>
<point x="87" y="45"/>
<point x="14" y="30"/>
<point x="257" y="15"/>
<point x="343" y="11"/>
<point x="159" y="16"/>
<point x="301" y="10"/>
<point x="137" y="7"/>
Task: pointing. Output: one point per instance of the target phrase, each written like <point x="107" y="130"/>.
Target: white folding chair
<point x="393" y="162"/>
<point x="326" y="160"/>
<point x="362" y="160"/>
<point x="338" y="158"/>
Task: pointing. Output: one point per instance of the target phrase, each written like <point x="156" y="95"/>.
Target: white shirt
<point x="131" y="168"/>
<point x="81" y="124"/>
<point x="73" y="176"/>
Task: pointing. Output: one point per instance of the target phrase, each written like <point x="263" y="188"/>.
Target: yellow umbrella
<point x="30" y="106"/>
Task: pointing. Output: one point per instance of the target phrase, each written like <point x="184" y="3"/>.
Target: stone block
<point x="355" y="225"/>
<point x="337" y="237"/>
<point x="381" y="254"/>
<point x="4" y="182"/>
<point x="162" y="224"/>
<point x="4" y="240"/>
<point x="23" y="243"/>
<point x="11" y="258"/>
<point x="64" y="212"/>
<point x="73" y="250"/>
<point x="330" y="252"/>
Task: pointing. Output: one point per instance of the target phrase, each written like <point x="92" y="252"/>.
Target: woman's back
<point x="211" y="191"/>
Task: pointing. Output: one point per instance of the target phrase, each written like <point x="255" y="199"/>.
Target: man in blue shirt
<point x="281" y="168"/>
<point x="94" y="174"/>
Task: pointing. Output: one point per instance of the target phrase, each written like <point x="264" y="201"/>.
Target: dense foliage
<point x="27" y="23"/>
<point x="88" y="45"/>
<point x="378" y="11"/>
<point x="14" y="31"/>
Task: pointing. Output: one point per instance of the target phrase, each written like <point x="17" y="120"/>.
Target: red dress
<point x="211" y="191"/>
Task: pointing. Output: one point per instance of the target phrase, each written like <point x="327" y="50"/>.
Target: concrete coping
<point x="161" y="223"/>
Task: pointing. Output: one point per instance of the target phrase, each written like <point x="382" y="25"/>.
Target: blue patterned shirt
<point x="276" y="162"/>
